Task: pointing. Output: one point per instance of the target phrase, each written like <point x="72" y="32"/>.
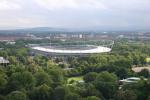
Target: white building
<point x="3" y="61"/>
<point x="130" y="80"/>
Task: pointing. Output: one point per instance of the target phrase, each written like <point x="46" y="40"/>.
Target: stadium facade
<point x="70" y="50"/>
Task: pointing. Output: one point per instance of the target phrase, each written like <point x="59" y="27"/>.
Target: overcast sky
<point x="78" y="14"/>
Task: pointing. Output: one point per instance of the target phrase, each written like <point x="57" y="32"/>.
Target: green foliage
<point x="60" y="93"/>
<point x="125" y="95"/>
<point x="42" y="92"/>
<point x="141" y="89"/>
<point x="106" y="77"/>
<point x="57" y="75"/>
<point x="17" y="95"/>
<point x="43" y="78"/>
<point x="92" y="98"/>
<point x="2" y="98"/>
<point x="90" y="90"/>
<point x="107" y="83"/>
<point x="90" y="77"/>
<point x="72" y="96"/>
<point x="20" y="80"/>
<point x="148" y="97"/>
<point x="145" y="73"/>
<point x="122" y="73"/>
<point x="3" y="78"/>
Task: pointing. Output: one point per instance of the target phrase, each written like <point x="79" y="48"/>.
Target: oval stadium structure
<point x="72" y="48"/>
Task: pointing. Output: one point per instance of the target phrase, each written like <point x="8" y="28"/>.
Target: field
<point x="75" y="79"/>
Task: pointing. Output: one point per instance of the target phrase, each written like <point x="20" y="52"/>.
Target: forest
<point x="93" y="77"/>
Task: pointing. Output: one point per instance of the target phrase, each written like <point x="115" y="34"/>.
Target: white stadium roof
<point x="98" y="49"/>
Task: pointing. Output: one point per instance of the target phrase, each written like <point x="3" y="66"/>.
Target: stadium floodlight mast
<point x="73" y="48"/>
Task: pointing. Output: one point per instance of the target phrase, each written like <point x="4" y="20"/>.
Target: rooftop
<point x="3" y="61"/>
<point x="139" y="69"/>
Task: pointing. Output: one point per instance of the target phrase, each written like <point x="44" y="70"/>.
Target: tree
<point x="3" y="78"/>
<point x="72" y="96"/>
<point x="122" y="73"/>
<point x="60" y="92"/>
<point x="13" y="60"/>
<point x="17" y="95"/>
<point x="125" y="95"/>
<point x="145" y="73"/>
<point x="89" y="90"/>
<point x="42" y="78"/>
<point x="56" y="74"/>
<point x="148" y="97"/>
<point x="91" y="76"/>
<point x="92" y="98"/>
<point x="22" y="80"/>
<point x="122" y="62"/>
<point x="107" y="84"/>
<point x="42" y="92"/>
<point x="2" y="97"/>
<point x="3" y="81"/>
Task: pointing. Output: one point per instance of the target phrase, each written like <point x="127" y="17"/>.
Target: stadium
<point x="72" y="48"/>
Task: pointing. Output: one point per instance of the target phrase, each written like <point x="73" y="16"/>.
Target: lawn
<point x="148" y="60"/>
<point x="76" y="79"/>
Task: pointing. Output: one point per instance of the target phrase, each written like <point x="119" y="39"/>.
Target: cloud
<point x="9" y="5"/>
<point x="128" y="5"/>
<point x="21" y="22"/>
<point x="75" y="13"/>
<point x="123" y="5"/>
<point x="73" y="4"/>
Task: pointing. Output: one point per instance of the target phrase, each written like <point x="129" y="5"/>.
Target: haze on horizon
<point x="75" y="14"/>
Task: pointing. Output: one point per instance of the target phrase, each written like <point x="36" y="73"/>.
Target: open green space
<point x="148" y="60"/>
<point x="76" y="79"/>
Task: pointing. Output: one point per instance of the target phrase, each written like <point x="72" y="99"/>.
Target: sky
<point x="75" y="14"/>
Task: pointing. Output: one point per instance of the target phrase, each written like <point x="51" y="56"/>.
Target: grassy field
<point x="148" y="60"/>
<point x="76" y="79"/>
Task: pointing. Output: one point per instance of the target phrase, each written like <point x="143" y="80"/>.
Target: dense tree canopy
<point x="38" y="77"/>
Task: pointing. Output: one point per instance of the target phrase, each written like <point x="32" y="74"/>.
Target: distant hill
<point x="33" y="30"/>
<point x="44" y="30"/>
<point x="48" y="30"/>
<point x="41" y="29"/>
